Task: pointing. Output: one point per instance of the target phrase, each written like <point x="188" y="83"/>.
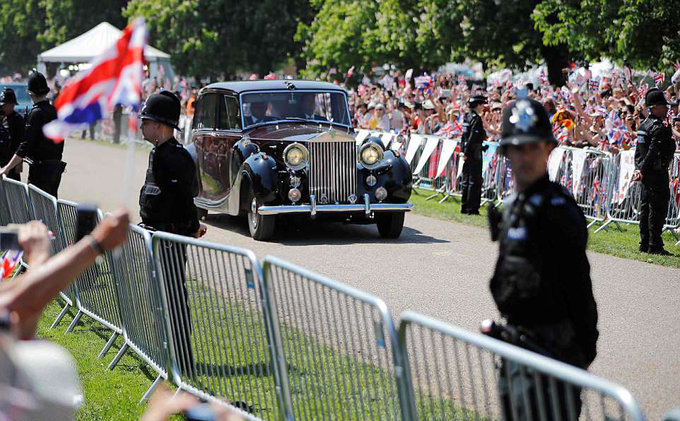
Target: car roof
<point x="273" y="85"/>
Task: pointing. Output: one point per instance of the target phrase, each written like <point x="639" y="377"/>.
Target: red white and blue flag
<point x="9" y="262"/>
<point x="115" y="77"/>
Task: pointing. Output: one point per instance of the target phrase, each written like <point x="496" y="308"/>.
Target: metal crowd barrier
<point x="66" y="212"/>
<point x="44" y="207"/>
<point x="5" y="215"/>
<point x="458" y="374"/>
<point x="141" y="305"/>
<point x="219" y="333"/>
<point x="17" y="197"/>
<point x="338" y="346"/>
<point x="587" y="174"/>
<point x="95" y="288"/>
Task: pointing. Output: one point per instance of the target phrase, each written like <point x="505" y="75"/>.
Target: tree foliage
<point x="28" y="27"/>
<point x="640" y="33"/>
<point x="219" y="38"/>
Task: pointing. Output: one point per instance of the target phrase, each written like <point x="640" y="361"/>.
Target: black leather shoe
<point x="644" y="249"/>
<point x="661" y="252"/>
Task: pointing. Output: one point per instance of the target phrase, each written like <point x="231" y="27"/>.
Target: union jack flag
<point x="10" y="260"/>
<point x="659" y="78"/>
<point x="424" y="83"/>
<point x="642" y="90"/>
<point x="594" y="84"/>
<point x="115" y="77"/>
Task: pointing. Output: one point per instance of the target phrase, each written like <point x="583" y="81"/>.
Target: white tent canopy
<point x="85" y="47"/>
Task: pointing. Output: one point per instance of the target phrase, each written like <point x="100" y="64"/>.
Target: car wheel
<point x="261" y="226"/>
<point x="201" y="213"/>
<point x="390" y="224"/>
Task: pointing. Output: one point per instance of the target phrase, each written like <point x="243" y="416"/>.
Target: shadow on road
<point x="304" y="231"/>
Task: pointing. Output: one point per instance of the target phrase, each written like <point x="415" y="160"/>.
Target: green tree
<point x="31" y="26"/>
<point x="342" y="35"/>
<point x="640" y="33"/>
<point x="66" y="19"/>
<point x="220" y="38"/>
<point x="21" y="23"/>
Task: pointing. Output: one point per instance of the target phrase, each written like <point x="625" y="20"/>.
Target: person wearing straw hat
<point x="45" y="154"/>
<point x="541" y="283"/>
<point x="12" y="124"/>
<point x="471" y="146"/>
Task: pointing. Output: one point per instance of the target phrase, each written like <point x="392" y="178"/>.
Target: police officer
<point x="653" y="155"/>
<point x="166" y="203"/>
<point x="471" y="147"/>
<point x="541" y="283"/>
<point x="44" y="154"/>
<point x="12" y="127"/>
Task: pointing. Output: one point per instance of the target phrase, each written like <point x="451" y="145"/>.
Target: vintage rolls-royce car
<point x="278" y="147"/>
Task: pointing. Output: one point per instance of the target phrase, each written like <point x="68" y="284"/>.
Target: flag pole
<point x="128" y="172"/>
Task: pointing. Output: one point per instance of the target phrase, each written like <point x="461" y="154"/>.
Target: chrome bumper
<point x="313" y="208"/>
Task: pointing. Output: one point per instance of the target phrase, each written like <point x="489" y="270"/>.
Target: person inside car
<point x="258" y="113"/>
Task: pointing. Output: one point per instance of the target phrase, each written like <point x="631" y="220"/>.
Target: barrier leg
<point x="151" y="389"/>
<point x="118" y="356"/>
<point x="593" y="222"/>
<point x="604" y="226"/>
<point x="74" y="322"/>
<point x="108" y="345"/>
<point x="61" y="315"/>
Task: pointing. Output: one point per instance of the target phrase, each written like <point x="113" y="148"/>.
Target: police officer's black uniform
<point x="653" y="155"/>
<point x="12" y="128"/>
<point x="471" y="146"/>
<point x="45" y="154"/>
<point x="167" y="204"/>
<point x="541" y="283"/>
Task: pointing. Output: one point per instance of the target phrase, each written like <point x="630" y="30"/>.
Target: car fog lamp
<point x="295" y="156"/>
<point x="294" y="195"/>
<point x="371" y="180"/>
<point x="371" y="155"/>
<point x="381" y="193"/>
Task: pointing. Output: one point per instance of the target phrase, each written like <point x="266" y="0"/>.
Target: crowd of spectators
<point x="603" y="113"/>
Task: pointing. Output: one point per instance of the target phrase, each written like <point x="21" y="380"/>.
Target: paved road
<point x="442" y="270"/>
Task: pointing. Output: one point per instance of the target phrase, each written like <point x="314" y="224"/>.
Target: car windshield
<point x="263" y="107"/>
<point x="21" y="93"/>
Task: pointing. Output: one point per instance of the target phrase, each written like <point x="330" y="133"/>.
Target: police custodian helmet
<point x="655" y="97"/>
<point x="8" y="97"/>
<point x="525" y="121"/>
<point x="37" y="84"/>
<point x="163" y="107"/>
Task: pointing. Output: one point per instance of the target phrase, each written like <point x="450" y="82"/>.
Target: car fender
<point x="259" y="175"/>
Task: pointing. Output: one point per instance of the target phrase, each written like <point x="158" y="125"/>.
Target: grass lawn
<point x="610" y="241"/>
<point x="109" y="395"/>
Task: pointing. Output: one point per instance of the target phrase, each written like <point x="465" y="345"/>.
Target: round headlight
<point x="371" y="155"/>
<point x="295" y="156"/>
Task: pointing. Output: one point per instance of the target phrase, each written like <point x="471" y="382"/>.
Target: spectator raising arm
<point x="34" y="290"/>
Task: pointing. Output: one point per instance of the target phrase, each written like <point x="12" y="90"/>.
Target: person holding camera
<point x="47" y="275"/>
<point x="12" y="128"/>
<point x="471" y="147"/>
<point x="46" y="167"/>
<point x="653" y="156"/>
<point x="541" y="283"/>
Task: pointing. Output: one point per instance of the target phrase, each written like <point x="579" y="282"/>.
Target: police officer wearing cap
<point x="43" y="154"/>
<point x="471" y="148"/>
<point x="12" y="128"/>
<point x="653" y="155"/>
<point x="541" y="283"/>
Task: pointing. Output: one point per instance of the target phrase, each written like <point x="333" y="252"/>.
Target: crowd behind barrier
<point x="601" y="182"/>
<point x="277" y="342"/>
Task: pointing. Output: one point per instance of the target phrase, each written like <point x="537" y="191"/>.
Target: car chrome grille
<point x="332" y="171"/>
